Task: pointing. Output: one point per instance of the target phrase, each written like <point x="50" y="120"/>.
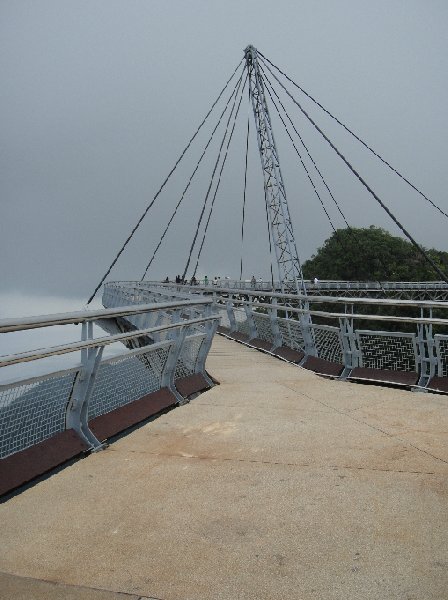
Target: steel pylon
<point x="280" y="225"/>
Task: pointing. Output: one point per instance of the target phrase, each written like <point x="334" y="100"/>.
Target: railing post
<point x="77" y="411"/>
<point x="169" y="370"/>
<point x="275" y="328"/>
<point x="307" y="331"/>
<point x="250" y="319"/>
<point x="426" y="347"/>
<point x="231" y="315"/>
<point x="210" y="329"/>
<point x="350" y="349"/>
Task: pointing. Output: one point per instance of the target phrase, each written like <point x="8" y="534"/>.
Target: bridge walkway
<point x="276" y="484"/>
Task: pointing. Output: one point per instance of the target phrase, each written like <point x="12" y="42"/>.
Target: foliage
<point x="372" y="254"/>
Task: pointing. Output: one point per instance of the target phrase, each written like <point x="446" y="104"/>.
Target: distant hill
<point x="371" y="254"/>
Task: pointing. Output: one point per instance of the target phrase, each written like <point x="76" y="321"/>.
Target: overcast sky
<point x="99" y="97"/>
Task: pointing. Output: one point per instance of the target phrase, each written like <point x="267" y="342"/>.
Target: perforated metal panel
<point x="291" y="334"/>
<point x="263" y="325"/>
<point x="328" y="343"/>
<point x="125" y="379"/>
<point x="225" y="321"/>
<point x="242" y="324"/>
<point x="442" y="354"/>
<point x="186" y="365"/>
<point x="33" y="412"/>
<point x="387" y="350"/>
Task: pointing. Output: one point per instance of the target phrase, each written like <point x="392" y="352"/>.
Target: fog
<point x="100" y="97"/>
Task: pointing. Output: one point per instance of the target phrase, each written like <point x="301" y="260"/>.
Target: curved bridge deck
<point x="276" y="484"/>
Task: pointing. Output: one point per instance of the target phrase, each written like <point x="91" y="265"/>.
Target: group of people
<point x="182" y="281"/>
<point x="216" y="281"/>
<point x="193" y="281"/>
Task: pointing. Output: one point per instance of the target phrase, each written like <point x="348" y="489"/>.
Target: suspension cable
<point x="300" y="156"/>
<point x="244" y="196"/>
<point x="161" y="187"/>
<point x="364" y="183"/>
<point x="384" y="161"/>
<point x="219" y="177"/>
<point x="265" y="76"/>
<point x="269" y="88"/>
<point x="211" y="183"/>
<point x="191" y="177"/>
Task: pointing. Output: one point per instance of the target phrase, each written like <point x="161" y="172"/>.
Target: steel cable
<point x="161" y="187"/>
<point x="313" y="185"/>
<point x="219" y="177"/>
<point x="210" y="186"/>
<point x="191" y="177"/>
<point x="269" y="87"/>
<point x="364" y="183"/>
<point x="304" y="146"/>
<point x="383" y="160"/>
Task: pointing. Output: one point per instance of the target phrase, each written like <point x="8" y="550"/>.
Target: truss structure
<point x="280" y="225"/>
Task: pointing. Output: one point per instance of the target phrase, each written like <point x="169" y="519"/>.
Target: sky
<point x="98" y="99"/>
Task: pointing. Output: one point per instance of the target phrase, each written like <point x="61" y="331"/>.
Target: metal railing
<point x="165" y="341"/>
<point x="412" y="290"/>
<point x="360" y="335"/>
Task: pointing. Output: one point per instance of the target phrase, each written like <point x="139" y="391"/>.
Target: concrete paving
<point x="276" y="484"/>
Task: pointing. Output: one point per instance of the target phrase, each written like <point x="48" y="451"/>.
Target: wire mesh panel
<point x="33" y="412"/>
<point x="291" y="334"/>
<point x="186" y="364"/>
<point x="225" y="321"/>
<point x="263" y="325"/>
<point x="328" y="343"/>
<point x="127" y="378"/>
<point x="387" y="350"/>
<point x="442" y="354"/>
<point x="242" y="324"/>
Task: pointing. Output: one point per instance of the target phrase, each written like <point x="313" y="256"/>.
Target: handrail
<point x="22" y="357"/>
<point x="316" y="299"/>
<point x="333" y="315"/>
<point x="82" y="316"/>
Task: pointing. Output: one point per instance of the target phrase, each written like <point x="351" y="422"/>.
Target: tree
<point x="372" y="254"/>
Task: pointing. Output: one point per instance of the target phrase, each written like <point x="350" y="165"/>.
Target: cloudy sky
<point x="99" y="97"/>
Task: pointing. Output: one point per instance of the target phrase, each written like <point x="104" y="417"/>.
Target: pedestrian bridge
<point x="311" y="471"/>
<point x="276" y="484"/>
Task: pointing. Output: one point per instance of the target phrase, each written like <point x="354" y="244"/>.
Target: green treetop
<point x="371" y="254"/>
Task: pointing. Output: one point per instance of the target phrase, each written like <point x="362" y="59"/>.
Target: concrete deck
<point x="277" y="484"/>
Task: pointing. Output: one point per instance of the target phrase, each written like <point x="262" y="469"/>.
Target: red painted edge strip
<point x="191" y="384"/>
<point x="261" y="344"/>
<point x="294" y="356"/>
<point x="325" y="367"/>
<point x="438" y="383"/>
<point x="21" y="467"/>
<point x="121" y="418"/>
<point x="386" y="375"/>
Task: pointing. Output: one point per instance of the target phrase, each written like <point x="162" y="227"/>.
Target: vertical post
<point x="350" y="350"/>
<point x="169" y="370"/>
<point x="231" y="315"/>
<point x="289" y="269"/>
<point x="426" y="347"/>
<point x="288" y="263"/>
<point x="250" y="319"/>
<point x="276" y="333"/>
<point x="210" y="329"/>
<point x="77" y="411"/>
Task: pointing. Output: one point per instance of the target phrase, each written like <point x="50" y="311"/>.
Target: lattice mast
<point x="282" y="234"/>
